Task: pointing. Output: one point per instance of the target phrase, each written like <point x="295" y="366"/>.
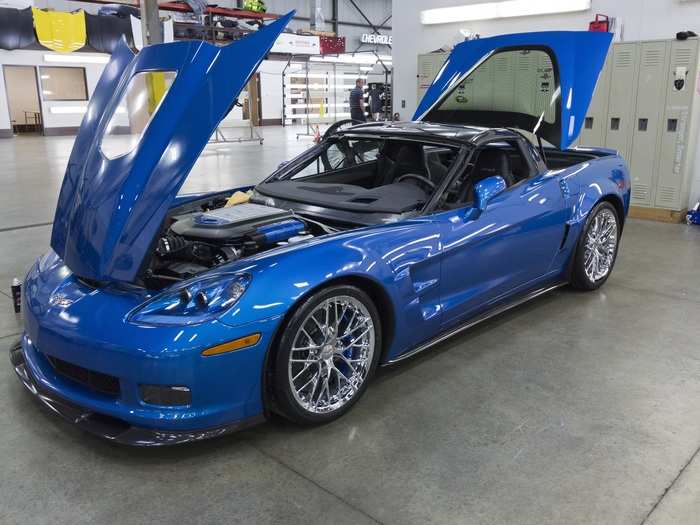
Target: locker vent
<point x="623" y="59"/>
<point x="652" y="57"/>
<point x="640" y="192"/>
<point x="667" y="195"/>
<point x="683" y="56"/>
<point x="501" y="64"/>
<point x="525" y="63"/>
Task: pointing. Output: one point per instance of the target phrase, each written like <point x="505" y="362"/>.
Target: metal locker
<point x="646" y="125"/>
<point x="503" y="68"/>
<point x="543" y="79"/>
<point x="623" y="88"/>
<point x="674" y="157"/>
<point x="428" y="67"/>
<point x="593" y="128"/>
<point x="480" y="93"/>
<point x="475" y="92"/>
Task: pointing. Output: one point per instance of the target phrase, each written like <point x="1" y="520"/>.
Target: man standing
<point x="357" y="102"/>
<point x="375" y="102"/>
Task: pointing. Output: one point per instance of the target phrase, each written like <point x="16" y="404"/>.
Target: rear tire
<point x="596" y="251"/>
<point x="328" y="352"/>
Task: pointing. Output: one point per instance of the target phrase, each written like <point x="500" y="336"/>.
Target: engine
<point x="197" y="241"/>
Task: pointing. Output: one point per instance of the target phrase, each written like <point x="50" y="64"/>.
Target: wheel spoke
<point x="600" y="245"/>
<point x="332" y="370"/>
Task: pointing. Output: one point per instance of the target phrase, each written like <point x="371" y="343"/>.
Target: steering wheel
<point x="419" y="178"/>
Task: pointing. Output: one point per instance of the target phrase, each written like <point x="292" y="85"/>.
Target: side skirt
<point x="475" y="321"/>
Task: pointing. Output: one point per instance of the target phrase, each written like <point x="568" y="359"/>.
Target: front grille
<point x="104" y="383"/>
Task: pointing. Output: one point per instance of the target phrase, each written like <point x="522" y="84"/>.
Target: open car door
<point x="537" y="82"/>
<point x="111" y="203"/>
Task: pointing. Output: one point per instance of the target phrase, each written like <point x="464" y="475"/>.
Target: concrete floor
<point x="575" y="408"/>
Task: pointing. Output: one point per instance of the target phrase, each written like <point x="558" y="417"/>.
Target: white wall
<point x="271" y="88"/>
<point x="36" y="58"/>
<point x="271" y="79"/>
<point x="642" y="20"/>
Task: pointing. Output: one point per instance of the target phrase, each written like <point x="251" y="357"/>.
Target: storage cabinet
<point x="649" y="91"/>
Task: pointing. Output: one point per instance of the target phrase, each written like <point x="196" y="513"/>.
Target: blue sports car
<point x="159" y="318"/>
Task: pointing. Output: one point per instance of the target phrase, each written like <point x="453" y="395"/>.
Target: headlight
<point x="192" y="302"/>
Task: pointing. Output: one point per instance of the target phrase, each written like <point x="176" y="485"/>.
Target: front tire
<point x="596" y="251"/>
<point x="328" y="351"/>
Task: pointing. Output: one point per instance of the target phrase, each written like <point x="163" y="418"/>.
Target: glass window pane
<point x="138" y="105"/>
<point x="520" y="81"/>
<point x="63" y="83"/>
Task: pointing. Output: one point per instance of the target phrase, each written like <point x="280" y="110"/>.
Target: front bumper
<point x="82" y="358"/>
<point x="112" y="428"/>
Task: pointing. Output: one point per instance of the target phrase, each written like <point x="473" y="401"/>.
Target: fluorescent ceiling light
<point x="78" y="110"/>
<point x="68" y="110"/>
<point x="506" y="9"/>
<point x="77" y="58"/>
<point x="347" y="58"/>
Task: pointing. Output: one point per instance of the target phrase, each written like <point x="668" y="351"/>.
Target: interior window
<point x="139" y="103"/>
<point x="63" y="83"/>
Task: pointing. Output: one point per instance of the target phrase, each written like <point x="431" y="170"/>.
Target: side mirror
<point x="487" y="189"/>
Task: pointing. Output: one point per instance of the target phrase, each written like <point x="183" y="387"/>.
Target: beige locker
<point x="678" y="140"/>
<point x="646" y="125"/>
<point x="428" y="67"/>
<point x="593" y="129"/>
<point x="621" y="104"/>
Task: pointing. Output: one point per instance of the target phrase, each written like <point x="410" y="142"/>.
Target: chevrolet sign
<point x="375" y="38"/>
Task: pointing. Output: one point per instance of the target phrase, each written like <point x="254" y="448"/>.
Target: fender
<point x="403" y="259"/>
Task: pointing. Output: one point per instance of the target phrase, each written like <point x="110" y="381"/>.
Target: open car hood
<point x="538" y="82"/>
<point x="110" y="210"/>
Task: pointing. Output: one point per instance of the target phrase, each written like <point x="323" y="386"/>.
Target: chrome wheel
<point x="600" y="246"/>
<point x="331" y="354"/>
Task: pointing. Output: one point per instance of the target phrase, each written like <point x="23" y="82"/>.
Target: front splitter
<point x="111" y="428"/>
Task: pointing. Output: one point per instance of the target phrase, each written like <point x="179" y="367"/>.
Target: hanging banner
<point x="16" y="28"/>
<point x="62" y="32"/>
<point x="297" y="44"/>
<point x="104" y="32"/>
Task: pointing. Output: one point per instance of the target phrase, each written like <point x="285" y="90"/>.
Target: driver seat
<point x="409" y="159"/>
<point x="491" y="162"/>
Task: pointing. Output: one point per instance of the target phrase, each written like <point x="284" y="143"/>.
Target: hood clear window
<point x="520" y="81"/>
<point x="515" y="88"/>
<point x="139" y="103"/>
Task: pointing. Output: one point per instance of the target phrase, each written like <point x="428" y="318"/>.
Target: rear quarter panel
<point x="585" y="185"/>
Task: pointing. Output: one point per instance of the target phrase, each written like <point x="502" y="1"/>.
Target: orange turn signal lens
<point x="236" y="344"/>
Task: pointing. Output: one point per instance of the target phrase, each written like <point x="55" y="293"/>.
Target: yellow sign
<point x="62" y="32"/>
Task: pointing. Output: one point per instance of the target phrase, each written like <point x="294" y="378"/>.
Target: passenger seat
<point x="491" y="162"/>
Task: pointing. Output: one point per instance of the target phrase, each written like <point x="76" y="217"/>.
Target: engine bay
<point x="214" y="233"/>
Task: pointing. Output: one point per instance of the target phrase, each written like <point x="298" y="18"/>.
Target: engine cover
<point x="227" y="223"/>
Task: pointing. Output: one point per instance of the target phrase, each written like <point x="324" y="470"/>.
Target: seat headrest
<point x="410" y="154"/>
<point x="493" y="162"/>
